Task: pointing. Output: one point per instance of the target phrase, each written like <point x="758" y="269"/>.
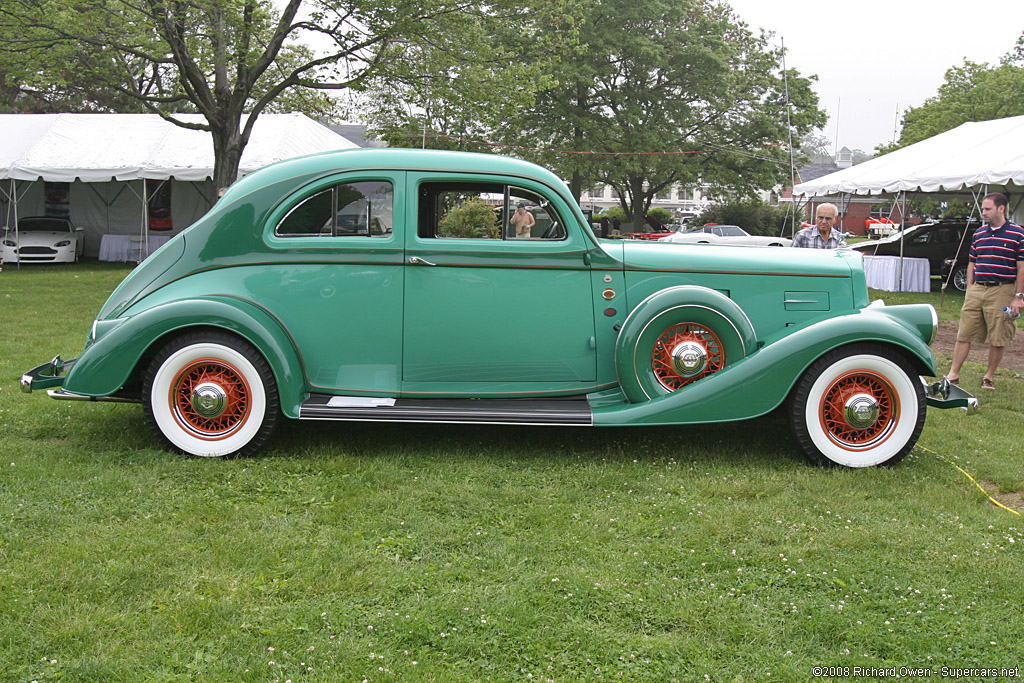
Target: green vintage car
<point x="407" y="285"/>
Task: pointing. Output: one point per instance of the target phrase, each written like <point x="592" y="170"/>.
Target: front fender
<point x="759" y="383"/>
<point x="659" y="312"/>
<point x="107" y="364"/>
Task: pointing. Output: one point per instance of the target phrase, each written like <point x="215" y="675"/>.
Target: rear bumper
<point x="47" y="375"/>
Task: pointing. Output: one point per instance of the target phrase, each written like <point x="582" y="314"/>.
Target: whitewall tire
<point x="209" y="395"/>
<point x="858" y="406"/>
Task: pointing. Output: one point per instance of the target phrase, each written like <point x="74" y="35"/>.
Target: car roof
<point x="393" y="159"/>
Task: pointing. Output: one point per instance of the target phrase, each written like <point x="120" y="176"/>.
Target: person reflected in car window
<point x="523" y="221"/>
<point x="823" y="234"/>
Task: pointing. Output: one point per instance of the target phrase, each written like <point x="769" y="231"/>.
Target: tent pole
<point x="959" y="249"/>
<point x="903" y="224"/>
<point x="145" y="217"/>
<point x="17" y="239"/>
<point x="14" y="201"/>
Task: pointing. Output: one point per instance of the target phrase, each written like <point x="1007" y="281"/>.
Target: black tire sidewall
<point x="252" y="355"/>
<point x="801" y="393"/>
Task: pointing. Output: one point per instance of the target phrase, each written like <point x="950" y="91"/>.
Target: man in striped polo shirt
<point x="995" y="280"/>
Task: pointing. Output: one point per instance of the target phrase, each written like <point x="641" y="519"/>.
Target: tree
<point x="684" y="77"/>
<point x="229" y="60"/>
<point x="971" y="92"/>
<point x="471" y="218"/>
<point x="452" y="91"/>
<point x="664" y="92"/>
<point x="815" y="146"/>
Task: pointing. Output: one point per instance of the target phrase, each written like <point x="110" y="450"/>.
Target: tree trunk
<point x="636" y="196"/>
<point x="227" y="152"/>
<point x="576" y="186"/>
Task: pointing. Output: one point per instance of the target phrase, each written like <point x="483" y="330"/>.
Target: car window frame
<point x="575" y="238"/>
<point x="508" y="187"/>
<point x="333" y="242"/>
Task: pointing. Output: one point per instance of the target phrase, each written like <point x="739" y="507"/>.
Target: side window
<point x="487" y="211"/>
<point x="922" y="238"/>
<point x="532" y="217"/>
<point x="359" y="209"/>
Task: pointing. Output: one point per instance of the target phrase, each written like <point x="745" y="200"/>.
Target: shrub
<point x="663" y="216"/>
<point x="473" y="218"/>
<point x="753" y="215"/>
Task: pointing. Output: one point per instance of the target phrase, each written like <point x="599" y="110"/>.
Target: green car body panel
<point x="407" y="313"/>
<point x="109" y="361"/>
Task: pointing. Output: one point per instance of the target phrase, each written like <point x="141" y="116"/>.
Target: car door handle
<point x="417" y="261"/>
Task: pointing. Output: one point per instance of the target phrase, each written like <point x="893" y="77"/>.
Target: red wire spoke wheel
<point x="859" y="410"/>
<point x="684" y="353"/>
<point x="860" y="405"/>
<point x="211" y="398"/>
<point x="210" y="394"/>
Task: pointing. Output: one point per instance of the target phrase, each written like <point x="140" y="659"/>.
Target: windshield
<point x="44" y="224"/>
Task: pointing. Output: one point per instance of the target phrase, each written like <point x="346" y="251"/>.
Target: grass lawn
<point x="381" y="552"/>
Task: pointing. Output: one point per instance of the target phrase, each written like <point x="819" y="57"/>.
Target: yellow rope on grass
<point x="962" y="470"/>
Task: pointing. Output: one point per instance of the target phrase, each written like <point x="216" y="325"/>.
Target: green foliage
<point x="471" y="218"/>
<point x="666" y="93"/>
<point x="959" y="209"/>
<point x="462" y="74"/>
<point x="753" y="215"/>
<point x="663" y="216"/>
<point x="683" y="77"/>
<point x="614" y="212"/>
<point x="971" y="92"/>
<point x="229" y="60"/>
<point x="471" y="553"/>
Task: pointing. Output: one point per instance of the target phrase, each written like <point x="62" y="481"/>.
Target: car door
<point x="336" y="279"/>
<point x="486" y="312"/>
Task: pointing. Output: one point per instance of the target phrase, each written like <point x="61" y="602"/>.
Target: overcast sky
<point x="873" y="57"/>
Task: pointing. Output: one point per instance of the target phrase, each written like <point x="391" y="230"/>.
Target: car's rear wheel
<point x="858" y="406"/>
<point x="210" y="394"/>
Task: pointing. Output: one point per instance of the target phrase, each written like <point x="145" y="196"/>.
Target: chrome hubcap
<point x="689" y="359"/>
<point x="209" y="400"/>
<point x="861" y="411"/>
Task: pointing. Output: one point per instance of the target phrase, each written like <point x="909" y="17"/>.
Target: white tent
<point x="986" y="156"/>
<point x="975" y="158"/>
<point x="106" y="159"/>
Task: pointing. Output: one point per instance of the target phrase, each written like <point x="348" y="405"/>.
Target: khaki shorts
<point x="982" y="319"/>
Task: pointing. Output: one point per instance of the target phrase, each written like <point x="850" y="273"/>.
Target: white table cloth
<point x="115" y="247"/>
<point x="883" y="272"/>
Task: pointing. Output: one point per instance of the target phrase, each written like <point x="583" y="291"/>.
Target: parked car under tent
<point x="130" y="174"/>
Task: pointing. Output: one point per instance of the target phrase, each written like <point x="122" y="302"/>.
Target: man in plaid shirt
<point x="823" y="234"/>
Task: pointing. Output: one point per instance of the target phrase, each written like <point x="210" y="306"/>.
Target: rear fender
<point x="759" y="383"/>
<point x="109" y="361"/>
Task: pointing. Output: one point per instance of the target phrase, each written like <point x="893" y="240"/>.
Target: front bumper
<point x="943" y="394"/>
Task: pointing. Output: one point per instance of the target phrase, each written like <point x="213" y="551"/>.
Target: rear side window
<point x="358" y="209"/>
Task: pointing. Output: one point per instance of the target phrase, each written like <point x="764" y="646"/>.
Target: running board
<point x="574" y="410"/>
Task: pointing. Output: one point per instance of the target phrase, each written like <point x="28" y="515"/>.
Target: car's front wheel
<point x="210" y="394"/>
<point x="960" y="278"/>
<point x="858" y="406"/>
